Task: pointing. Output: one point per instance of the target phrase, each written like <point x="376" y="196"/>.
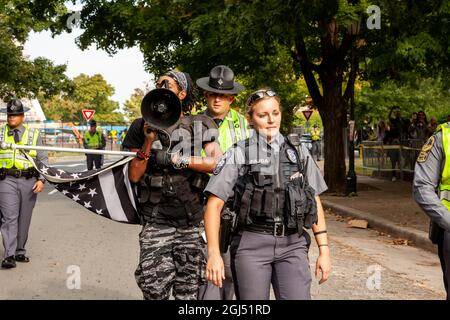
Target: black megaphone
<point x="161" y="108"/>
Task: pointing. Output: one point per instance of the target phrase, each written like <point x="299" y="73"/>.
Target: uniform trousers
<point x="94" y="158"/>
<point x="443" y="243"/>
<point x="315" y="150"/>
<point x="17" y="201"/>
<point x="259" y="260"/>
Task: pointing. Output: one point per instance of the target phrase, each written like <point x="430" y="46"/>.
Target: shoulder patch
<point x="292" y="155"/>
<point x="220" y="165"/>
<point x="426" y="149"/>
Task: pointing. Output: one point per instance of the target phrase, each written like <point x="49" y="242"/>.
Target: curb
<point x="418" y="238"/>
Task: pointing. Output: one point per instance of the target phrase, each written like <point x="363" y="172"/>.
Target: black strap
<point x="16" y="135"/>
<point x="302" y="167"/>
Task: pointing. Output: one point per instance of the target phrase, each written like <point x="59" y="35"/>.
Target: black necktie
<point x="16" y="135"/>
<point x="218" y="122"/>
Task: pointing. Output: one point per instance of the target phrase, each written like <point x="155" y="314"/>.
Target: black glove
<point x="162" y="157"/>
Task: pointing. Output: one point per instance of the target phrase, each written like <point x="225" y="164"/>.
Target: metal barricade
<point x="380" y="157"/>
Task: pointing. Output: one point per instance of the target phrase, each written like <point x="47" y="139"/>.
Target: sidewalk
<point x="387" y="206"/>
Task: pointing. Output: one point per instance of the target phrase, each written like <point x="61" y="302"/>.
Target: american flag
<point x="107" y="192"/>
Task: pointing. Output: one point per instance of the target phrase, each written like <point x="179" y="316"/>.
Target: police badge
<point x="292" y="155"/>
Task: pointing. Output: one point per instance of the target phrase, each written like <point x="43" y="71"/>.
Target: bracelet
<point x="323" y="245"/>
<point x="142" y="155"/>
<point x="320" y="232"/>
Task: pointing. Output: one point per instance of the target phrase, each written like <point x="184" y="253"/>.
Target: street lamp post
<point x="351" y="175"/>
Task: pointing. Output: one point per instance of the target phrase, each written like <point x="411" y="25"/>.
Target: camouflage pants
<point x="171" y="259"/>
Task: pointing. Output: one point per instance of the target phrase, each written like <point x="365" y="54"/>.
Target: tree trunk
<point x="331" y="102"/>
<point x="333" y="113"/>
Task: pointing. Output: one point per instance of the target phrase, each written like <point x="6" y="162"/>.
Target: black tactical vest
<point x="281" y="197"/>
<point x="170" y="196"/>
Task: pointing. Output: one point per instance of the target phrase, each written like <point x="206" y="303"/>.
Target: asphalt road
<point x="76" y="254"/>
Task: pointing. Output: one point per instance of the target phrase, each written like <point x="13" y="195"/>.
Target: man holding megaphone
<point x="172" y="251"/>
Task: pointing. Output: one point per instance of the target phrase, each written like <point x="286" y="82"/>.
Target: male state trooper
<point x="431" y="173"/>
<point x="94" y="139"/>
<point x="19" y="183"/>
<point x="220" y="90"/>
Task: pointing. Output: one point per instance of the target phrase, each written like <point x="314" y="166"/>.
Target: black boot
<point x="9" y="263"/>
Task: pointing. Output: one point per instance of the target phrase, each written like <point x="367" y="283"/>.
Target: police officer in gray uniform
<point x="19" y="184"/>
<point x="276" y="184"/>
<point x="431" y="190"/>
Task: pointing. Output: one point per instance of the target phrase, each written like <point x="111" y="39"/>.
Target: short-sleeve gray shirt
<point x="427" y="175"/>
<point x="232" y="166"/>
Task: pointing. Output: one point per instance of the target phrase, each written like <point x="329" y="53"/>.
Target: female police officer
<point x="265" y="172"/>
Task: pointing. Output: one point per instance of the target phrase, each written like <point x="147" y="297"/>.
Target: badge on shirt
<point x="426" y="149"/>
<point x="292" y="155"/>
<point x="220" y="165"/>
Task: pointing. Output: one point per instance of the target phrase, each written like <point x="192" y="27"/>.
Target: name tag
<point x="259" y="161"/>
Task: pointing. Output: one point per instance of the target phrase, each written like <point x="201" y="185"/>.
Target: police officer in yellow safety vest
<point x="220" y="91"/>
<point x="94" y="139"/>
<point x="431" y="190"/>
<point x="315" y="137"/>
<point x="19" y="183"/>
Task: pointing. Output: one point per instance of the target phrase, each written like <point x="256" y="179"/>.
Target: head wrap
<point x="179" y="77"/>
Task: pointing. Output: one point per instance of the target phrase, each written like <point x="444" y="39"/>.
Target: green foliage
<point x="413" y="37"/>
<point x="19" y="76"/>
<point x="132" y="106"/>
<point x="94" y="93"/>
<point x="275" y="43"/>
<point x="411" y="94"/>
<point x="88" y="92"/>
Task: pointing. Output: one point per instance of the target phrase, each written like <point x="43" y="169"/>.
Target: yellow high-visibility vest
<point x="14" y="158"/>
<point x="93" y="142"/>
<point x="444" y="185"/>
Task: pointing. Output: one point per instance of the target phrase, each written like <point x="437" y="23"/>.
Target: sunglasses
<point x="255" y="96"/>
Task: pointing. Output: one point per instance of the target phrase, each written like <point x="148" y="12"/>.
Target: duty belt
<point x="275" y="229"/>
<point x="28" y="173"/>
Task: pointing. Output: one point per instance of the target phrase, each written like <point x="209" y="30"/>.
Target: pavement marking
<point x="53" y="192"/>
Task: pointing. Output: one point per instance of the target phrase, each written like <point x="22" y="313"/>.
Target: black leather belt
<point x="21" y="173"/>
<point x="275" y="229"/>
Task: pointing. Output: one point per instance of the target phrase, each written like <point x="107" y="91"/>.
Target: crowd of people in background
<point x="411" y="133"/>
<point x="397" y="129"/>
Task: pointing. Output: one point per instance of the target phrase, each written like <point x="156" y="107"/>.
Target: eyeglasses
<point x="255" y="96"/>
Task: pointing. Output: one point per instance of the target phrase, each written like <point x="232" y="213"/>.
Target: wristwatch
<point x="42" y="180"/>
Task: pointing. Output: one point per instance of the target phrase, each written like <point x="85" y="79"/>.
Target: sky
<point x="124" y="71"/>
